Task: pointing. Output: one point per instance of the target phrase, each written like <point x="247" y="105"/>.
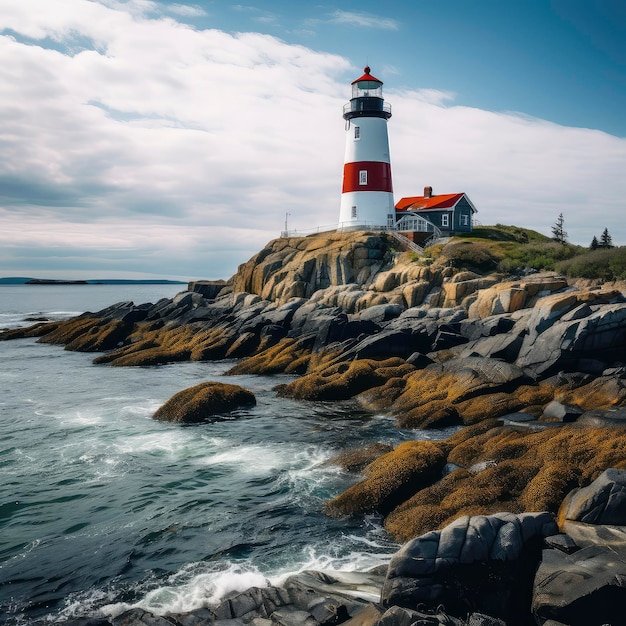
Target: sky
<point x="157" y="139"/>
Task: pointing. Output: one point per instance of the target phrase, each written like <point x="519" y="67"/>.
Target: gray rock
<point x="288" y="616"/>
<point x="567" y="345"/>
<point x="254" y="602"/>
<point x="381" y="313"/>
<point x="479" y="619"/>
<point x="586" y="535"/>
<point x="602" y="502"/>
<point x="562" y="542"/>
<point x="505" y="347"/>
<point x="368" y="616"/>
<point x="399" y="616"/>
<point x="209" y="289"/>
<point x="517" y="417"/>
<point x="328" y="611"/>
<point x="481" y="563"/>
<point x="556" y="411"/>
<point x="386" y="344"/>
<point x="603" y="418"/>
<point x="447" y="337"/>
<point x="486" y="327"/>
<point x="139" y="617"/>
<point x="584" y="588"/>
<point x="198" y="617"/>
<point x="354" y="589"/>
<point x="419" y="360"/>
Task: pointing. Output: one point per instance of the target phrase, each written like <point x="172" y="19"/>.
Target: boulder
<point x="390" y="343"/>
<point x="589" y="344"/>
<point x="556" y="411"/>
<point x="210" y="289"/>
<point x="580" y="589"/>
<point x="481" y="563"/>
<point x="602" y="502"/>
<point x="203" y="401"/>
<point x="391" y="479"/>
<point x="341" y="380"/>
<point x="139" y="617"/>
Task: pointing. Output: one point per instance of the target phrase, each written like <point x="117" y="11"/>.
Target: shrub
<point x="537" y="256"/>
<point x="471" y="255"/>
<point x="603" y="264"/>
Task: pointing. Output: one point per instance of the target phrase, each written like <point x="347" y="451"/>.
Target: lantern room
<point x="367" y="98"/>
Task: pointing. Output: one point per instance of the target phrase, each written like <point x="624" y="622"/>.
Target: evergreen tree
<point x="606" y="241"/>
<point x="558" y="232"/>
<point x="594" y="243"/>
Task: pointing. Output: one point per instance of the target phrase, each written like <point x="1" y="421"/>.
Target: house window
<point x="357" y="132"/>
<point x="464" y="220"/>
<point x="353" y="211"/>
<point x="390" y="220"/>
<point x="363" y="177"/>
<point x="445" y="220"/>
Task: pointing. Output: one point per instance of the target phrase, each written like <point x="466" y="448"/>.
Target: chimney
<point x="428" y="192"/>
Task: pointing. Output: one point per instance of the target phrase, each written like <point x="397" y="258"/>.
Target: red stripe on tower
<point x="367" y="176"/>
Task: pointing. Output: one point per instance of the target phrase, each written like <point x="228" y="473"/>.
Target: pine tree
<point x="594" y="243"/>
<point x="606" y="241"/>
<point x="558" y="232"/>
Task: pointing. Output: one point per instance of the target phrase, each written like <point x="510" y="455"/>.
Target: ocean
<point x="103" y="508"/>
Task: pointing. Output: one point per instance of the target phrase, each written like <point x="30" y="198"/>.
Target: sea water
<point x="103" y="508"/>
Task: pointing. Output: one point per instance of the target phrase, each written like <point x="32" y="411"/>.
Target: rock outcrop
<point x="203" y="402"/>
<point x="480" y="564"/>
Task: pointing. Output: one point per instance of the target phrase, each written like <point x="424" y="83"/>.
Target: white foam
<point x="186" y="592"/>
<point x="204" y="584"/>
<point x="253" y="460"/>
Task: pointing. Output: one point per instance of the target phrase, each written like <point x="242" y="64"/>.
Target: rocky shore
<point x="518" y="518"/>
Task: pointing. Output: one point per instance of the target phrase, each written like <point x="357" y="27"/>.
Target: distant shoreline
<point x="111" y="281"/>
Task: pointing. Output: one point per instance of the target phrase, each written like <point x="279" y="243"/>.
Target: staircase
<point x="407" y="243"/>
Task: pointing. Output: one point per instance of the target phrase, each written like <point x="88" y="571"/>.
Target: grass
<point x="516" y="250"/>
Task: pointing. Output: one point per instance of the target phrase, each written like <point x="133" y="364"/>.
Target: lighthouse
<point x="367" y="194"/>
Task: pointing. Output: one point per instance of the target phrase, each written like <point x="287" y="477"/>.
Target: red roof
<point x="366" y="76"/>
<point x="420" y="203"/>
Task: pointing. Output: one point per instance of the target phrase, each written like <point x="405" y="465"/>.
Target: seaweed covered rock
<point x="524" y="466"/>
<point x="203" y="401"/>
<point x="392" y="478"/>
<point x="459" y="391"/>
<point x="340" y="381"/>
<point x="478" y="563"/>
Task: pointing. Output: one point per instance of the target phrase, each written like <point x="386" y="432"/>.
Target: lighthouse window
<point x="354" y="211"/>
<point x="363" y="177"/>
<point x="357" y="132"/>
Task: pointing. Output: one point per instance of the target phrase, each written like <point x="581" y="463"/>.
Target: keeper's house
<point x="421" y="217"/>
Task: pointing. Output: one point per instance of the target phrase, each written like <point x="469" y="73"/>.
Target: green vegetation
<point x="508" y="249"/>
<point x="513" y="250"/>
<point x="541" y="256"/>
<point x="603" y="263"/>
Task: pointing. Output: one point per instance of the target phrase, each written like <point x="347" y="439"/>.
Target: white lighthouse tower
<point x="367" y="194"/>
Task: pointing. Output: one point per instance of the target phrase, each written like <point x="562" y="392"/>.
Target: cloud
<point x="186" y="10"/>
<point x="364" y="20"/>
<point x="515" y="168"/>
<point x="164" y="150"/>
